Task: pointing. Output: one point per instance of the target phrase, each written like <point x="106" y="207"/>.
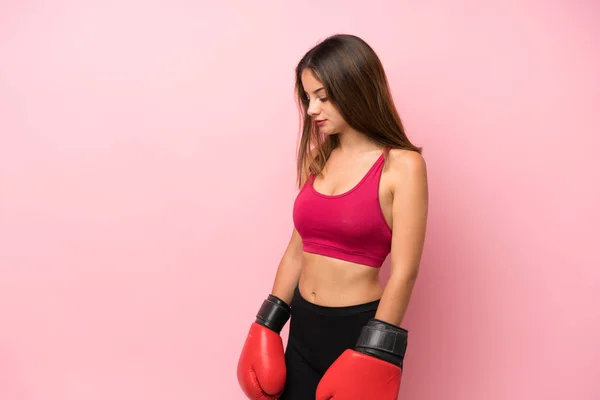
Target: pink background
<point x="147" y="179"/>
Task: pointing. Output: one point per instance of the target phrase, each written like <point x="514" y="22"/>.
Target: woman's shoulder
<point x="305" y="173"/>
<point x="403" y="163"/>
<point x="404" y="158"/>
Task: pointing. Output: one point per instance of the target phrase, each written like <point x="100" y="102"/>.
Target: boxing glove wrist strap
<point x="273" y="314"/>
<point x="384" y="341"/>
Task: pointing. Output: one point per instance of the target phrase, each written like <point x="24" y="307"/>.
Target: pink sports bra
<point x="349" y="226"/>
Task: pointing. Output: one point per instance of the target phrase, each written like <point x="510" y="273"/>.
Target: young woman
<point x="363" y="196"/>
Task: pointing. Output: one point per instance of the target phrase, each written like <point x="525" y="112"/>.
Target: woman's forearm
<point x="288" y="271"/>
<point x="395" y="299"/>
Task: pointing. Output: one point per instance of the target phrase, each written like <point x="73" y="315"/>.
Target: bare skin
<point x="332" y="282"/>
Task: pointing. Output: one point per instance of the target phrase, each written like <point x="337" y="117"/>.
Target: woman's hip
<point x="322" y="333"/>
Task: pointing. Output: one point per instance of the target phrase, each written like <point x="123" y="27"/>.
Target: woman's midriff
<point x="337" y="283"/>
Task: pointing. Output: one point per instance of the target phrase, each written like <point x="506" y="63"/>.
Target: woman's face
<point x="322" y="111"/>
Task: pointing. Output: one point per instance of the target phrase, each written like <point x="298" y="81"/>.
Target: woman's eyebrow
<point x="315" y="91"/>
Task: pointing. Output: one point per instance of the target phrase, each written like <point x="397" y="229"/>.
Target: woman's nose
<point x="313" y="109"/>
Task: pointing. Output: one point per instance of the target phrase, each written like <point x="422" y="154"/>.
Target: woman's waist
<point x="336" y="283"/>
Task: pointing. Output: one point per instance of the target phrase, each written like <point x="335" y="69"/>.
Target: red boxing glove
<point x="372" y="370"/>
<point x="261" y="367"/>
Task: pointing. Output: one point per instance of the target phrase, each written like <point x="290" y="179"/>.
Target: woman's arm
<point x="289" y="269"/>
<point x="410" y="209"/>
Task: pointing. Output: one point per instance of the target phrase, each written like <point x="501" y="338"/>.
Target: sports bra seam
<point x="374" y="258"/>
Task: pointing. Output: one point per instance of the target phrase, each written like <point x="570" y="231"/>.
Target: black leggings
<point x="318" y="336"/>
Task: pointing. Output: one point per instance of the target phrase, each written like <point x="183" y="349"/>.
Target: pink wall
<point x="140" y="140"/>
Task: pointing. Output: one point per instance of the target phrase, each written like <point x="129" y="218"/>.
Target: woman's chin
<point x="327" y="132"/>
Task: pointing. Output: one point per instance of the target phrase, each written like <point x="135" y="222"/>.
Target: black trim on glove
<point x="384" y="341"/>
<point x="273" y="314"/>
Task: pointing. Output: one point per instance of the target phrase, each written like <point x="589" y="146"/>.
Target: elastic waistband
<point x="301" y="302"/>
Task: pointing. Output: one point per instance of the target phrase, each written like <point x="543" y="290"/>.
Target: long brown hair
<point x="356" y="84"/>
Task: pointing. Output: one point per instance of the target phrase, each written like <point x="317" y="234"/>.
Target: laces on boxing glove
<point x="273" y="314"/>
<point x="384" y="341"/>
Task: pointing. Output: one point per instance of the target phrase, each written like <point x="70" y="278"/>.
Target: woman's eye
<point x="323" y="99"/>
